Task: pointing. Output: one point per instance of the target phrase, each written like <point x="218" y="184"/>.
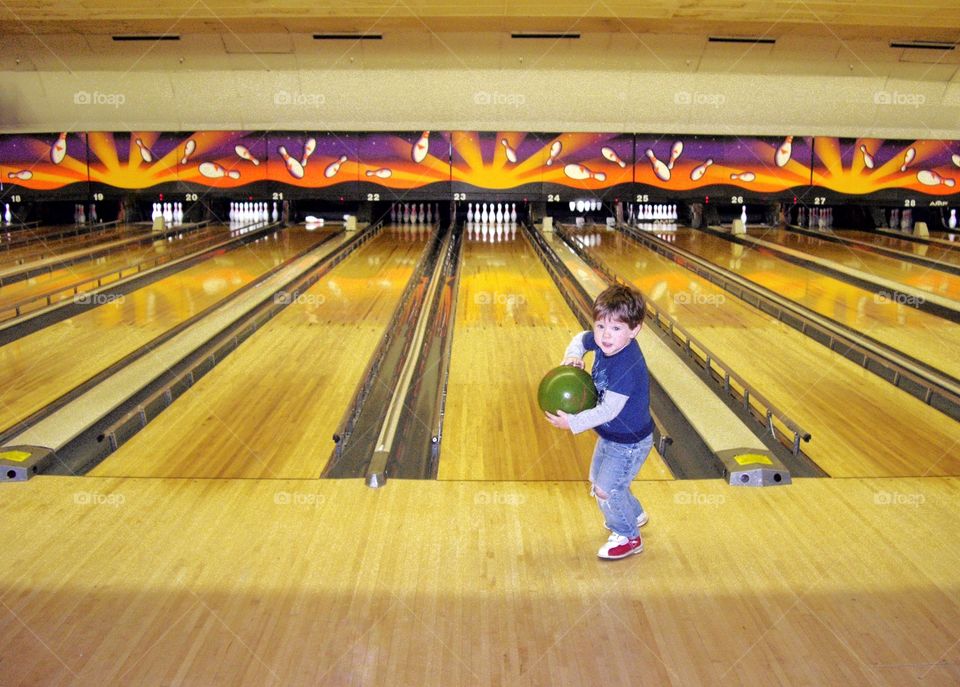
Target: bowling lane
<point x="270" y="408"/>
<point x="861" y="425"/>
<point x="512" y="325"/>
<point x="43" y="247"/>
<point x="42" y="366"/>
<point x="920" y="277"/>
<point x="921" y="335"/>
<point x="945" y="255"/>
<point x="127" y="257"/>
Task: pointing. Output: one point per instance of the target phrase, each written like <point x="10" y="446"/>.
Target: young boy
<point x="621" y="418"/>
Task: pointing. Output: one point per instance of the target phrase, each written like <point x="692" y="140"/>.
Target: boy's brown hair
<point x="621" y="303"/>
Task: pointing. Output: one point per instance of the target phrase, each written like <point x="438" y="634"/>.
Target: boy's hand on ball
<point x="573" y="361"/>
<point x="559" y="420"/>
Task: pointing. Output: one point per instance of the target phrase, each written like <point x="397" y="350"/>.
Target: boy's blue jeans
<point x="613" y="468"/>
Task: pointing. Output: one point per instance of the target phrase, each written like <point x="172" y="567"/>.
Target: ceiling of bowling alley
<point x="888" y="20"/>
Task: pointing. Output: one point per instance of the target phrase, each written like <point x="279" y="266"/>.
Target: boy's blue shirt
<point x="624" y="373"/>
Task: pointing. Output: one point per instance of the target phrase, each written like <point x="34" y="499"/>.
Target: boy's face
<point x="612" y="335"/>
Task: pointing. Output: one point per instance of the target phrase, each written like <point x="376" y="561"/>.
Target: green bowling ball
<point x="567" y="388"/>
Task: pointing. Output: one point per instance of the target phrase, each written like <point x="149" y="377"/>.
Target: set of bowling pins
<point x="172" y="213"/>
<point x="815" y="218"/>
<point x="483" y="213"/>
<point x="652" y="212"/>
<point x="408" y="213"/>
<point x="904" y="222"/>
<point x="252" y="212"/>
<point x="589" y="205"/>
<point x="80" y="214"/>
<point x="491" y="233"/>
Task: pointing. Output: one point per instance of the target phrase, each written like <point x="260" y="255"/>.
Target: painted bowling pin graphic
<point x="611" y="154"/>
<point x="908" y="158"/>
<point x="145" y="153"/>
<point x="697" y="173"/>
<point x="675" y="152"/>
<point x="581" y="172"/>
<point x="867" y="157"/>
<point x="744" y="176"/>
<point x="294" y="167"/>
<point x="930" y="178"/>
<point x="23" y="174"/>
<point x="244" y="152"/>
<point x="382" y="173"/>
<point x="782" y="156"/>
<point x="659" y="166"/>
<point x="509" y="151"/>
<point x="188" y="149"/>
<point x="334" y="167"/>
<point x="555" y="149"/>
<point x="58" y="150"/>
<point x="420" y="149"/>
<point x="308" y="149"/>
<point x="956" y="160"/>
<point x="212" y="170"/>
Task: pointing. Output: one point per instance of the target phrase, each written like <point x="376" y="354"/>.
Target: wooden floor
<point x="307" y="582"/>
<point x="830" y="396"/>
<point x="512" y="326"/>
<point x="943" y="255"/>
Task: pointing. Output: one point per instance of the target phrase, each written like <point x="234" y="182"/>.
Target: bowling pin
<point x="700" y="170"/>
<point x="145" y="153"/>
<point x="956" y="160"/>
<point x="784" y="152"/>
<point x="8" y="216"/>
<point x="188" y="149"/>
<point x="58" y="150"/>
<point x="928" y="177"/>
<point x="610" y="154"/>
<point x="675" y="153"/>
<point x="952" y="222"/>
<point x="513" y="212"/>
<point x="744" y="176"/>
<point x="867" y="157"/>
<point x="334" y="167"/>
<point x="582" y="172"/>
<point x="908" y="158"/>
<point x="382" y="173"/>
<point x="421" y="148"/>
<point x="555" y="149"/>
<point x="308" y="149"/>
<point x="24" y="174"/>
<point x="659" y="168"/>
<point x="212" y="170"/>
<point x="743" y="215"/>
<point x="469" y="212"/>
<point x="293" y="166"/>
<point x="508" y="151"/>
<point x="245" y="153"/>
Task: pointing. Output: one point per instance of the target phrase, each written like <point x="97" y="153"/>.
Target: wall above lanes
<point x="476" y="165"/>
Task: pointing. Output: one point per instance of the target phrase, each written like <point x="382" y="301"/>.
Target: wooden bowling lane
<point x="512" y="325"/>
<point x="42" y="246"/>
<point x="44" y="365"/>
<point x="861" y="425"/>
<point x="128" y="257"/>
<point x="921" y="277"/>
<point x="947" y="255"/>
<point x="270" y="409"/>
<point x="921" y="335"/>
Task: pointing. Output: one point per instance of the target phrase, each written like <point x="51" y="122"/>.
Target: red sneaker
<point x="619" y="546"/>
